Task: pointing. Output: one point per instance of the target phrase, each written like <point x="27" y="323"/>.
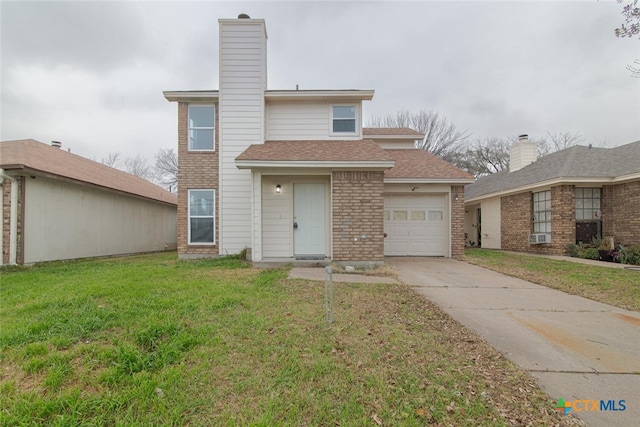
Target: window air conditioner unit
<point x="537" y="238"/>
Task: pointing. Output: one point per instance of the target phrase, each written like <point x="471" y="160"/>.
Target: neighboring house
<point x="292" y="174"/>
<point x="570" y="196"/>
<point x="57" y="205"/>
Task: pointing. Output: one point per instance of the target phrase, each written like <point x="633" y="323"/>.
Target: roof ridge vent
<point x="56" y="144"/>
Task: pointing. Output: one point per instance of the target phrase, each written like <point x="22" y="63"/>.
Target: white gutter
<point x="359" y="165"/>
<point x="13" y="225"/>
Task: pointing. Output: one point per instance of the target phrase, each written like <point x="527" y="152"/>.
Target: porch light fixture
<point x="278" y="188"/>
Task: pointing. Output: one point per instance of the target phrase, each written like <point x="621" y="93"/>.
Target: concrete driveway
<point x="577" y="349"/>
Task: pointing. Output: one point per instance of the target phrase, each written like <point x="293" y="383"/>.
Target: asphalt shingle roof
<point x="419" y="164"/>
<point x="574" y="162"/>
<point x="321" y="150"/>
<point x="35" y="156"/>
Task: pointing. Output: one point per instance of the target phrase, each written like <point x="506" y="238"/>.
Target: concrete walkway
<point x="577" y="349"/>
<point x="320" y="274"/>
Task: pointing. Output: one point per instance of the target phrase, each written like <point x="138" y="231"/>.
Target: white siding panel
<point x="66" y="221"/>
<point x="294" y="120"/>
<point x="256" y="210"/>
<point x="276" y="218"/>
<point x="242" y="85"/>
<point x="490" y="227"/>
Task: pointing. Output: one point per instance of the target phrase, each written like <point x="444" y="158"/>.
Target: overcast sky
<point x="91" y="74"/>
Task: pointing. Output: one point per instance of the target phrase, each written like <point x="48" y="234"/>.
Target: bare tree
<point x="630" y="28"/>
<point x="631" y="13"/>
<point x="442" y="137"/>
<point x="138" y="166"/>
<point x="112" y="159"/>
<point x="556" y="141"/>
<point x="166" y="168"/>
<point x="487" y="156"/>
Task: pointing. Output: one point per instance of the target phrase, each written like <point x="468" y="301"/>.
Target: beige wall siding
<point x="491" y="223"/>
<point x="277" y="221"/>
<point x="296" y="120"/>
<point x="65" y="221"/>
<point x="242" y="83"/>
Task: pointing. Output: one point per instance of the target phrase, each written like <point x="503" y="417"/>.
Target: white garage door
<point x="415" y="225"/>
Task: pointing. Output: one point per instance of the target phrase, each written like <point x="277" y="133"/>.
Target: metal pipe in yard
<point x="328" y="294"/>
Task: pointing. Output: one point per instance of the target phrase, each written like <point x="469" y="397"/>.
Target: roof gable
<point x="31" y="155"/>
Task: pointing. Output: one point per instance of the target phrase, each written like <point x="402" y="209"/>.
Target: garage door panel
<point x="415" y="225"/>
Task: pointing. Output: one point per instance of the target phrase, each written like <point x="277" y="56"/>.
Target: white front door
<point x="309" y="234"/>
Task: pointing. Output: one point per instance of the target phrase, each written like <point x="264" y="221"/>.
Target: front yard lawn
<point x="617" y="287"/>
<point x="151" y="340"/>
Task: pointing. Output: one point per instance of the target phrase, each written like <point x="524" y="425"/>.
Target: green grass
<point x="150" y="340"/>
<point x="617" y="287"/>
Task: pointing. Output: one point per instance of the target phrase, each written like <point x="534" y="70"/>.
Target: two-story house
<point x="292" y="174"/>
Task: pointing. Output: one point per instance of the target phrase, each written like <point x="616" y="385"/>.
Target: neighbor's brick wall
<point x="516" y="217"/>
<point x="6" y="220"/>
<point x="358" y="205"/>
<point x="457" y="220"/>
<point x="515" y="221"/>
<point x="195" y="170"/>
<point x="621" y="212"/>
<point x="563" y="220"/>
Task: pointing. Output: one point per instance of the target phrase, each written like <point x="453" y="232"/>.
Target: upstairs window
<point x="344" y="119"/>
<point x="202" y="120"/>
<point x="542" y="212"/>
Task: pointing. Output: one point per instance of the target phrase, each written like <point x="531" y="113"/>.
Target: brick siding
<point x="621" y="212"/>
<point x="515" y="221"/>
<point x="358" y="205"/>
<point x="6" y="220"/>
<point x="196" y="170"/>
<point x="516" y="216"/>
<point x="457" y="220"/>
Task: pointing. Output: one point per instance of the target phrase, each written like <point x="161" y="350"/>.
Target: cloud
<point x="90" y="35"/>
<point x="92" y="73"/>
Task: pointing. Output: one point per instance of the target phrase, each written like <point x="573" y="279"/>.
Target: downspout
<point x="13" y="224"/>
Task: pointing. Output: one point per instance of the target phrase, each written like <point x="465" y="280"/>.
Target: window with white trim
<point x="202" y="127"/>
<point x="202" y="221"/>
<point x="541" y="207"/>
<point x="343" y="119"/>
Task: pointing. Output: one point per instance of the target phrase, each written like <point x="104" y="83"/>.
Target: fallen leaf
<point x="375" y="419"/>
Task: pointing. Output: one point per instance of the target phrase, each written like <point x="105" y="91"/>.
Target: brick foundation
<point x="358" y="204"/>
